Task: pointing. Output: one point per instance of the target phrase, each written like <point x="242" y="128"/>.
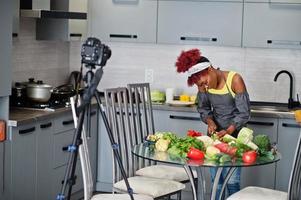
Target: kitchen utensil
<point x="38" y="92"/>
<point x="63" y="92"/>
<point x="18" y="96"/>
<point x="180" y="103"/>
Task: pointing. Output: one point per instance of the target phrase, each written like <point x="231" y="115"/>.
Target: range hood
<point x="49" y="9"/>
<point x="53" y="14"/>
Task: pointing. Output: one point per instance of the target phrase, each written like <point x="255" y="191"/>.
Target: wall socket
<point x="149" y="75"/>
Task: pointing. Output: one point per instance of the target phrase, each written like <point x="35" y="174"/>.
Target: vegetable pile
<point x="197" y="146"/>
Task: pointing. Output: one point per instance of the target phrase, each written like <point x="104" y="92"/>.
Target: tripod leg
<point x="114" y="145"/>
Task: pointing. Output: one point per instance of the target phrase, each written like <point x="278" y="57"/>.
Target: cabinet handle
<point x="184" y="118"/>
<point x="14" y="35"/>
<point x="261" y="123"/>
<point x="25" y="131"/>
<point x="68" y="122"/>
<point x="123" y="36"/>
<point x="43" y="126"/>
<point x="284" y="42"/>
<point x="203" y="39"/>
<point x="75" y="35"/>
<point x="291" y="125"/>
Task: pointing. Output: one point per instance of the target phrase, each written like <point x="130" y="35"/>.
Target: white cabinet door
<point x="196" y="22"/>
<point x="78" y="28"/>
<point x="288" y="134"/>
<point x="265" y="175"/>
<point x="280" y="25"/>
<point x="128" y="20"/>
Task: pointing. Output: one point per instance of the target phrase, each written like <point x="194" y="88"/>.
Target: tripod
<point x="92" y="80"/>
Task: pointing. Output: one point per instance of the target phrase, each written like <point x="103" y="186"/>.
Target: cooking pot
<point x="38" y="92"/>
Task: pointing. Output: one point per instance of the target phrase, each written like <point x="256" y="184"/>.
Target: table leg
<point x="201" y="184"/>
<point x="216" y="181"/>
<point x="229" y="174"/>
<point x="191" y="178"/>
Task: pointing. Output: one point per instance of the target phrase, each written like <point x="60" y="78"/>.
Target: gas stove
<point x="51" y="105"/>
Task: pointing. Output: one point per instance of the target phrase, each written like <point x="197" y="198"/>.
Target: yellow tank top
<point x="228" y="84"/>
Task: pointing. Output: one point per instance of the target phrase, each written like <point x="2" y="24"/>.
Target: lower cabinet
<point x="265" y="175"/>
<point x="288" y="134"/>
<point x="39" y="159"/>
<point x="24" y="162"/>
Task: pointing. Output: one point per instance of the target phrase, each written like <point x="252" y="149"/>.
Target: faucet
<point x="291" y="102"/>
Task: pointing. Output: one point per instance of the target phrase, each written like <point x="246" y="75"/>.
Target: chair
<point x="294" y="191"/>
<point x="120" y="117"/>
<point x="87" y="172"/>
<point x="143" y="125"/>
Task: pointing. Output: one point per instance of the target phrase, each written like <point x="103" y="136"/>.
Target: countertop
<point x="19" y="116"/>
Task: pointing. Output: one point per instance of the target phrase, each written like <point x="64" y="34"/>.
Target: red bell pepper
<point x="193" y="133"/>
<point x="195" y="154"/>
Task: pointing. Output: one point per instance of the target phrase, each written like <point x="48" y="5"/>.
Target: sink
<point x="269" y="106"/>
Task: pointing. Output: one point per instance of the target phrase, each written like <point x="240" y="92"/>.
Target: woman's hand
<point x="211" y="126"/>
<point x="221" y="133"/>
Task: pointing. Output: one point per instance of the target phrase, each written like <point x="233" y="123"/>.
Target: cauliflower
<point x="206" y="140"/>
<point x="162" y="144"/>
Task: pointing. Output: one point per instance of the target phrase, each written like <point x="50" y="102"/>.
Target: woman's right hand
<point x="211" y="126"/>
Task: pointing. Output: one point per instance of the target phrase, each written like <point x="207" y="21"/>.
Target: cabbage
<point x="245" y="135"/>
<point x="157" y="96"/>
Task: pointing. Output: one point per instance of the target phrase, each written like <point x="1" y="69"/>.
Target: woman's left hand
<point x="221" y="133"/>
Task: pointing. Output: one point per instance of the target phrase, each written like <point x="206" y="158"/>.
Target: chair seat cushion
<point x="150" y="186"/>
<point x="120" y="197"/>
<point x="165" y="172"/>
<point x="258" y="193"/>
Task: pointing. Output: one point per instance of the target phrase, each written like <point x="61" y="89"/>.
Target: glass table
<point x="146" y="151"/>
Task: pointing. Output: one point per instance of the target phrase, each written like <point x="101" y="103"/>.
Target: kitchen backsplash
<point x="42" y="60"/>
<point x="257" y="66"/>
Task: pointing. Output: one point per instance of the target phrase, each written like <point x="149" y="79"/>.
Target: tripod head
<point x="94" y="53"/>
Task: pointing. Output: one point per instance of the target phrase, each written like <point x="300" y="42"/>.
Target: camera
<point x="93" y="52"/>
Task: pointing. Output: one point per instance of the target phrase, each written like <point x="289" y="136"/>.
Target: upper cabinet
<point x="16" y="7"/>
<point x="124" y="20"/>
<point x="197" y="22"/>
<point x="273" y="25"/>
<point x="78" y="28"/>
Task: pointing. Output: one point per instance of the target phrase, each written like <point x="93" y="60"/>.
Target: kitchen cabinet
<point x="265" y="175"/>
<point x="198" y="22"/>
<point x="78" y="28"/>
<point x="105" y="162"/>
<point x="6" y="19"/>
<point x="126" y="20"/>
<point x="38" y="147"/>
<point x="16" y="8"/>
<point x="288" y="134"/>
<point x="279" y="27"/>
<point x="24" y="162"/>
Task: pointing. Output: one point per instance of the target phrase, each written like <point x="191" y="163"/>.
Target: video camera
<point x="93" y="52"/>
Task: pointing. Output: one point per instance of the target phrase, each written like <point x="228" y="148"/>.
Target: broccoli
<point x="263" y="142"/>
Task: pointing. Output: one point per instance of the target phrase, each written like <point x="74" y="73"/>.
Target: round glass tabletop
<point x="146" y="151"/>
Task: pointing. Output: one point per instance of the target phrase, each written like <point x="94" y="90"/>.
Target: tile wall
<point x="42" y="60"/>
<point x="257" y="66"/>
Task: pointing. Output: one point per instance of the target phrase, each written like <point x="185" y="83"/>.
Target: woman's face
<point x="207" y="81"/>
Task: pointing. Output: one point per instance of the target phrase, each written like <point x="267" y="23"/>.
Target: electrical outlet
<point x="149" y="75"/>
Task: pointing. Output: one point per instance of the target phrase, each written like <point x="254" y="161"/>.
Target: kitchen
<point x="154" y="52"/>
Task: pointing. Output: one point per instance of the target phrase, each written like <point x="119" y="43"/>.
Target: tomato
<point x="249" y="157"/>
<point x="195" y="154"/>
<point x="226" y="148"/>
<point x="193" y="133"/>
